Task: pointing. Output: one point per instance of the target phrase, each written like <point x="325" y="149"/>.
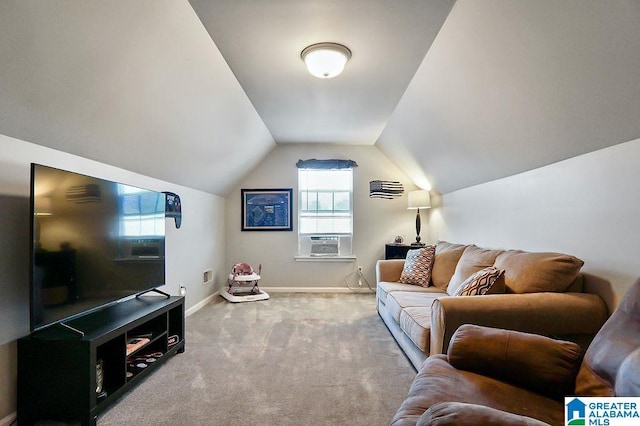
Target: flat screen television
<point x="93" y="242"/>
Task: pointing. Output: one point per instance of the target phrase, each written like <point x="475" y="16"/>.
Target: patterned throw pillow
<point x="418" y="265"/>
<point x="480" y="283"/>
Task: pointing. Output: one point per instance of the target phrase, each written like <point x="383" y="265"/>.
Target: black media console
<point x="60" y="370"/>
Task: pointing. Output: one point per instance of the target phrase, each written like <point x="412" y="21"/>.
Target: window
<point x="326" y="202"/>
<point x="325" y="209"/>
<point x="142" y="212"/>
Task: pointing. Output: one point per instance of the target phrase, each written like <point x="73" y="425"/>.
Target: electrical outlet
<point x="183" y="290"/>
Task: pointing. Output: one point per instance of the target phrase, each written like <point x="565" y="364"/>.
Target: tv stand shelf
<point x="59" y="369"/>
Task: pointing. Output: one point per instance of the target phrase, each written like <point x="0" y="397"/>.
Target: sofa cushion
<point x="415" y="322"/>
<point x="417" y="266"/>
<point x="384" y="288"/>
<point x="398" y="300"/>
<point x="527" y="272"/>
<point x="444" y="265"/>
<point x="482" y="282"/>
<point x="472" y="260"/>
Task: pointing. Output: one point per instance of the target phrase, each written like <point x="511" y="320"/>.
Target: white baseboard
<point x="315" y="290"/>
<point x="195" y="308"/>
<point x="8" y="419"/>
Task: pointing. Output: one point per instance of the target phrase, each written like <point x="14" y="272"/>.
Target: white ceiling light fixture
<point x="325" y="60"/>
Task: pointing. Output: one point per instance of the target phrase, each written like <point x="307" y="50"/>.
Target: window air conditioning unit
<point x="325" y="246"/>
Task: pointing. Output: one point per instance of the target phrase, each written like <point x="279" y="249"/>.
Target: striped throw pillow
<point x="479" y="283"/>
<point x="418" y="265"/>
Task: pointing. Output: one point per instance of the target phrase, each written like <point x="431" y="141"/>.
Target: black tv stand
<point x="58" y="370"/>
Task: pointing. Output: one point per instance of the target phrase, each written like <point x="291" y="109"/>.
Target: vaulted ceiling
<point x="197" y="93"/>
<point x="262" y="40"/>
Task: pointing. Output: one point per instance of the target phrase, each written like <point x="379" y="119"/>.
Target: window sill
<point x="350" y="258"/>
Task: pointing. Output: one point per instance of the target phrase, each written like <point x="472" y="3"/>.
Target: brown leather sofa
<point x="501" y="377"/>
<point x="541" y="293"/>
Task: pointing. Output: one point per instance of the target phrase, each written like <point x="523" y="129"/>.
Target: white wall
<point x="198" y="245"/>
<point x="587" y="206"/>
<point x="99" y="79"/>
<point x="508" y="86"/>
<point x="377" y="221"/>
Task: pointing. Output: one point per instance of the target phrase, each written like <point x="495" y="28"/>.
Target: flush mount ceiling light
<point x="325" y="60"/>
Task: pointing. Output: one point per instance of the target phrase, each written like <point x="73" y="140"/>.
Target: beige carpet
<point x="295" y="359"/>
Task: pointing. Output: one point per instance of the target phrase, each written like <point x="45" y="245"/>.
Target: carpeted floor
<point x="295" y="359"/>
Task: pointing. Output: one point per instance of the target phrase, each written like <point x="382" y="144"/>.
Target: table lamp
<point x="418" y="199"/>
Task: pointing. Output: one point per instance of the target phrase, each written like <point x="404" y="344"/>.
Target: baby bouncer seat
<point x="243" y="284"/>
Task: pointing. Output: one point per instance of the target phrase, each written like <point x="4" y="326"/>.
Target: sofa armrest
<point x="463" y="414"/>
<point x="547" y="314"/>
<point x="540" y="364"/>
<point x="389" y="270"/>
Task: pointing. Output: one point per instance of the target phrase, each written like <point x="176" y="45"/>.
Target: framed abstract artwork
<point x="267" y="209"/>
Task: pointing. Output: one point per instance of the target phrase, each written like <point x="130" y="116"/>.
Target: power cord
<point x="358" y="279"/>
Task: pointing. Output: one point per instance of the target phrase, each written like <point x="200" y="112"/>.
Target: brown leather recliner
<point x="501" y="377"/>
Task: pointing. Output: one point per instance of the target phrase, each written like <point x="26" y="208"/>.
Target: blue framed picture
<point x="267" y="209"/>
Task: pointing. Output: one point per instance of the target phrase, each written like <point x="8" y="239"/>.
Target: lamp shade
<point x="325" y="60"/>
<point x="419" y="199"/>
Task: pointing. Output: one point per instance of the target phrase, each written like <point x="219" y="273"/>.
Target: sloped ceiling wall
<point x="509" y="86"/>
<point x="135" y="84"/>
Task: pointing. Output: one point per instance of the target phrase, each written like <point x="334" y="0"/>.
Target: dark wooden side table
<point x="396" y="251"/>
